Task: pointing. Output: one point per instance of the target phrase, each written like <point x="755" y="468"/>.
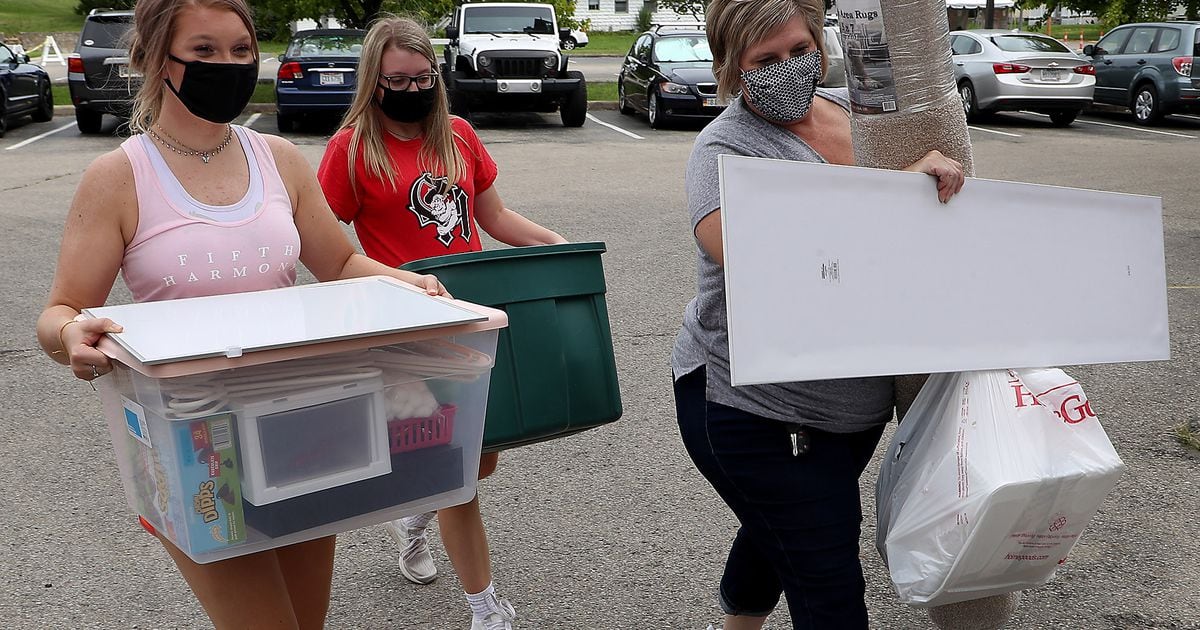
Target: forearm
<point x="49" y="326"/>
<point x="513" y="229"/>
<point x="359" y="266"/>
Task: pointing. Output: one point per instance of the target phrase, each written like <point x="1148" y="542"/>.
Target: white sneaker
<point x="501" y="616"/>
<point x="416" y="563"/>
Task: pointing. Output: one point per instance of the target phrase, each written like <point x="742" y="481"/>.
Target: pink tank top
<point x="178" y="251"/>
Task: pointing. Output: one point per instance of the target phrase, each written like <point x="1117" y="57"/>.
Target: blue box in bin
<point x="240" y="451"/>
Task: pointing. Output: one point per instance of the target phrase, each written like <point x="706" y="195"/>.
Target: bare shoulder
<point x="108" y="181"/>
<point x="281" y="148"/>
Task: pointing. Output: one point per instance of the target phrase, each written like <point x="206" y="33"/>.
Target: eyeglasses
<point x="401" y="82"/>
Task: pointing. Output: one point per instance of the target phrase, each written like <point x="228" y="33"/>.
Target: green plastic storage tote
<point x="554" y="373"/>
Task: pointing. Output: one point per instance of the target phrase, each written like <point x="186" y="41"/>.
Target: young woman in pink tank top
<point x="194" y="206"/>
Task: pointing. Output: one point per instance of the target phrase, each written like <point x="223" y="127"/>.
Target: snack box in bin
<point x="250" y="421"/>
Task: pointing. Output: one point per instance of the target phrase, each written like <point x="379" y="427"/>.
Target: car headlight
<point x="551" y="61"/>
<point x="673" y="88"/>
<point x="484" y="61"/>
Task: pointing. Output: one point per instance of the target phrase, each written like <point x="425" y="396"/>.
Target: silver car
<point x="835" y="73"/>
<point x="1007" y="70"/>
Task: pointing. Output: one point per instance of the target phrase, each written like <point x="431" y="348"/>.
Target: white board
<point x="835" y="271"/>
<point x="228" y="325"/>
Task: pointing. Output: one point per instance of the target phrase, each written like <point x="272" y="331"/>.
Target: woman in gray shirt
<point x="785" y="457"/>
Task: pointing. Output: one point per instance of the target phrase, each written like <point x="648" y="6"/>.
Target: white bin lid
<point x="228" y="326"/>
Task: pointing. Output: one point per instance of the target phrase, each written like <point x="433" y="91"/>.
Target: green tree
<point x="692" y="8"/>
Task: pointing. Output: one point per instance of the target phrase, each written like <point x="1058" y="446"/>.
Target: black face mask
<point x="216" y="92"/>
<point x="407" y="106"/>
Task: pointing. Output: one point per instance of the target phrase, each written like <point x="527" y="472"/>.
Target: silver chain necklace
<point x="187" y="151"/>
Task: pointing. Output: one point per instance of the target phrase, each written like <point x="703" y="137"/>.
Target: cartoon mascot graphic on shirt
<point x="444" y="206"/>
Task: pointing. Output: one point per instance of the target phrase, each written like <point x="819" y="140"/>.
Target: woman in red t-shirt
<point x="416" y="182"/>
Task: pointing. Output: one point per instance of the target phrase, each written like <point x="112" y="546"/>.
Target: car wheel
<point x="1146" y="107"/>
<point x="88" y="120"/>
<point x="45" y="110"/>
<point x="459" y="105"/>
<point x="569" y="43"/>
<point x="1063" y="118"/>
<point x="574" y="109"/>
<point x="654" y="111"/>
<point x="622" y="101"/>
<point x="287" y="123"/>
<point x="966" y="93"/>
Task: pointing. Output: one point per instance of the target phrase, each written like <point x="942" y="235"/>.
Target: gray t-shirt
<point x="841" y="406"/>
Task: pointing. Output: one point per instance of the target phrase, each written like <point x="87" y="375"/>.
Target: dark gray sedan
<point x="1006" y="70"/>
<point x="24" y="89"/>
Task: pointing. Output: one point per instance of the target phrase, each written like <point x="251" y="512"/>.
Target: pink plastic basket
<point x="410" y="434"/>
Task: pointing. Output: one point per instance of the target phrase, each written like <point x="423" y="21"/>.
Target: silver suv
<point x="98" y="72"/>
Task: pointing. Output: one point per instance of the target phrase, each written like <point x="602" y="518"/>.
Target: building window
<point x="651" y="5"/>
<point x="621" y="6"/>
<point x="593" y="5"/>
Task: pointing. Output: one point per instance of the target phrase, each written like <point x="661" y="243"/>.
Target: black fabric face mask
<point x="407" y="106"/>
<point x="216" y="92"/>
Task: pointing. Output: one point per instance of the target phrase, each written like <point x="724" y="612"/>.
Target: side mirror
<point x="23" y="58"/>
<point x="564" y="33"/>
<point x="1089" y="50"/>
<point x="452" y="33"/>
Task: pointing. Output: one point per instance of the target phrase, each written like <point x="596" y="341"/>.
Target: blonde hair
<point x="150" y="43"/>
<point x="439" y="154"/>
<point x="735" y="25"/>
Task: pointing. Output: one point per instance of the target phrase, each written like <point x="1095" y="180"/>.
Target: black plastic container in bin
<point x="555" y="373"/>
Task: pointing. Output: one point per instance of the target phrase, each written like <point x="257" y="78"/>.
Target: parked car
<point x="317" y="75"/>
<point x="574" y="39"/>
<point x="835" y="58"/>
<point x="98" y="73"/>
<point x="1149" y="68"/>
<point x="504" y="57"/>
<point x="668" y="74"/>
<point x="1006" y="70"/>
<point x="24" y="89"/>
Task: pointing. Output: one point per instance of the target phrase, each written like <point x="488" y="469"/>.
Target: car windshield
<point x="327" y="45"/>
<point x="1029" y="43"/>
<point x="682" y="49"/>
<point x="532" y="20"/>
<point x="104" y="31"/>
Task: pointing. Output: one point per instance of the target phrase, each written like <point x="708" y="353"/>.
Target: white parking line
<point x="1002" y="133"/>
<point x="38" y="137"/>
<point x="614" y="128"/>
<point x="1104" y="124"/>
<point x="1188" y="116"/>
<point x="251" y="120"/>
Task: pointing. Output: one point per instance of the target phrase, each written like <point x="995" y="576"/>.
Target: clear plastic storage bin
<point x="231" y="455"/>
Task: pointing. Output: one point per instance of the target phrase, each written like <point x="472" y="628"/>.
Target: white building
<point x="622" y="15"/>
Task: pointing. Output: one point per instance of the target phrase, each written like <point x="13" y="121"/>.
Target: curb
<point x="269" y="108"/>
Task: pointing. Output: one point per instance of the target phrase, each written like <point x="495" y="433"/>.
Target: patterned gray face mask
<point x="783" y="91"/>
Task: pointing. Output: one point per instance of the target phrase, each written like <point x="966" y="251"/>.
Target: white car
<point x="504" y="57"/>
<point x="576" y="39"/>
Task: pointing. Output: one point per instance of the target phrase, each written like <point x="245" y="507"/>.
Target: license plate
<point x="1051" y="75"/>
<point x="332" y="78"/>
<point x="124" y="72"/>
<point x="710" y="102"/>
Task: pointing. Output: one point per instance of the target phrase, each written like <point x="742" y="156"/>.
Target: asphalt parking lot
<point x="612" y="528"/>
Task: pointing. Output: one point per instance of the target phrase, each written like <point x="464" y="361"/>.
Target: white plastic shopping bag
<point x="989" y="481"/>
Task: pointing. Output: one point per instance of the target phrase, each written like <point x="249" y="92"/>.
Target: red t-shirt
<point x="412" y="221"/>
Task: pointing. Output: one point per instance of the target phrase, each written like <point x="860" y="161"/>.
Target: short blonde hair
<point x="735" y="25"/>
